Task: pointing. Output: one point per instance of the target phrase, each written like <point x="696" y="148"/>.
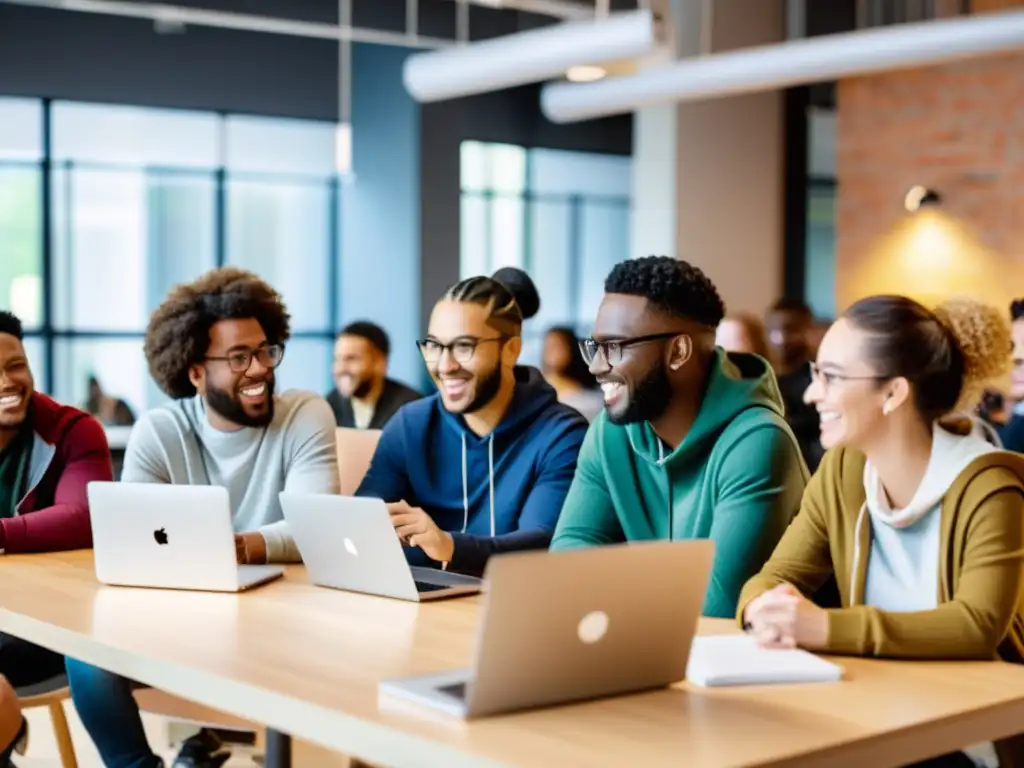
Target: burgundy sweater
<point x="54" y="514"/>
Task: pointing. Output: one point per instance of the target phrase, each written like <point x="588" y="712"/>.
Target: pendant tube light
<point x="527" y="57"/>
<point x="828" y="57"/>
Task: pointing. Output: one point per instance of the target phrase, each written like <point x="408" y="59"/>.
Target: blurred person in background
<point x="363" y="396"/>
<point x="110" y="411"/>
<point x="743" y="332"/>
<point x="565" y="370"/>
<point x="1011" y="409"/>
<point x="789" y="325"/>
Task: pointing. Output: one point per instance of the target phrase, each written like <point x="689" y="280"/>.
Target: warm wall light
<point x="918" y="197"/>
<point x="584" y="74"/>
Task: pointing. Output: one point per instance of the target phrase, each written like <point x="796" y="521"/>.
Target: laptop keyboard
<point x="456" y="691"/>
<point x="424" y="586"/>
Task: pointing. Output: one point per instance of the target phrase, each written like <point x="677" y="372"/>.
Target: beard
<point x="486" y="390"/>
<point x="362" y="389"/>
<point x="649" y="400"/>
<point x="227" y="405"/>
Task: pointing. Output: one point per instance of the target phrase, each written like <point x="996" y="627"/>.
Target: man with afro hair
<point x="693" y="442"/>
<point x="212" y="347"/>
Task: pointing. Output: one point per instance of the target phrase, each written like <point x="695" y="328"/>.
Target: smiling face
<point x="466" y="357"/>
<point x="243" y="398"/>
<point x="358" y="366"/>
<point x="638" y="385"/>
<point x="848" y="392"/>
<point x="16" y="384"/>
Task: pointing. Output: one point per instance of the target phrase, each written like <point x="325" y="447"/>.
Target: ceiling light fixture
<point x="585" y="73"/>
<point x="528" y="57"/>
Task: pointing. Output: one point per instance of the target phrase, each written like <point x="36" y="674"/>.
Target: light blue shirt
<point x="903" y="565"/>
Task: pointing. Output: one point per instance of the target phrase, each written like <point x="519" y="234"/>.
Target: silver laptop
<point x="349" y="543"/>
<point x="170" y="536"/>
<point x="567" y="626"/>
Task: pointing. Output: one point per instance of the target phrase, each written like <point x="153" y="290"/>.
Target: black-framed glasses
<point x="828" y="378"/>
<point x="612" y="350"/>
<point x="239" y="360"/>
<point x="461" y="349"/>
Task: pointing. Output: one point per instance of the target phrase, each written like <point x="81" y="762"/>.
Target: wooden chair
<point x="355" y="450"/>
<point x="51" y="694"/>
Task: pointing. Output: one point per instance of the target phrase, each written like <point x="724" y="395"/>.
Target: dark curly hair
<point x="672" y="286"/>
<point x="11" y="325"/>
<point x="178" y="334"/>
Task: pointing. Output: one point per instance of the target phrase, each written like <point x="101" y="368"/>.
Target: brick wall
<point x="958" y="129"/>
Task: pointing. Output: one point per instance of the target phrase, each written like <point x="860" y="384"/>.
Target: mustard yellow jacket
<point x="981" y="564"/>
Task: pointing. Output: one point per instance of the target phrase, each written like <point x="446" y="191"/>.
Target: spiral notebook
<point x="722" y="660"/>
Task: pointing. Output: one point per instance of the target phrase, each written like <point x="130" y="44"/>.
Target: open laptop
<point x="566" y="626"/>
<point x="349" y="543"/>
<point x="170" y="536"/>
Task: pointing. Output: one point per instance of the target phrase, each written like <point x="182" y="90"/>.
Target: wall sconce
<point x="917" y="197"/>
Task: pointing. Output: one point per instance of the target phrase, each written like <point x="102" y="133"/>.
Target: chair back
<point x="355" y="450"/>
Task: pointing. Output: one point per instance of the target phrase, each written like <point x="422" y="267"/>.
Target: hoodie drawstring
<point x="661" y="463"/>
<point x="856" y="552"/>
<point x="465" y="482"/>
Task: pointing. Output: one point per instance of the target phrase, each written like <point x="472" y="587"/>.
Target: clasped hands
<point x="783" y="618"/>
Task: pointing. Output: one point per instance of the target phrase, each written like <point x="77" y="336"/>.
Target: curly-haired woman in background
<point x="743" y="332"/>
<point x="919" y="521"/>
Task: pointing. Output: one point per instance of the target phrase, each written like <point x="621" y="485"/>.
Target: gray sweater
<point x="295" y="452"/>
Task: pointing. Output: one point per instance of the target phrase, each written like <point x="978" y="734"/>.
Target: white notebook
<point x="719" y="660"/>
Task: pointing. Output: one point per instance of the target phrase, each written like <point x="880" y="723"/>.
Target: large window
<point x="141" y="200"/>
<point x="561" y="216"/>
<point x="820" y="249"/>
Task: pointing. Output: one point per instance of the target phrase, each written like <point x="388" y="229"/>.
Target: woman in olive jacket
<point x="920" y="522"/>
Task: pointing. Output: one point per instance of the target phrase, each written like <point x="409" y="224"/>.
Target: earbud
<point x="887" y="407"/>
<point x="675" y="366"/>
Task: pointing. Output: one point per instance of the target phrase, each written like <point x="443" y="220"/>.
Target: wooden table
<point x="307" y="661"/>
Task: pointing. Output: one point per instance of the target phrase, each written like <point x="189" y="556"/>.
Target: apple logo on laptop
<point x="350" y="547"/>
<point x="592" y="627"/>
<point x="160" y="536"/>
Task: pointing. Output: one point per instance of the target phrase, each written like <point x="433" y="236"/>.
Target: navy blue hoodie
<point x="497" y="493"/>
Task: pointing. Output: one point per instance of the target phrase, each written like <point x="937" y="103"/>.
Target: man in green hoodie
<point x="693" y="443"/>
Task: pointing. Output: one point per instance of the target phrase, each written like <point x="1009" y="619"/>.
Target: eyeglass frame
<point x="475" y="341"/>
<point x="248" y="355"/>
<point x="828" y="378"/>
<point x="620" y="344"/>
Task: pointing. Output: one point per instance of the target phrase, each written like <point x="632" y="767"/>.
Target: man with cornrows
<point x="483" y="466"/>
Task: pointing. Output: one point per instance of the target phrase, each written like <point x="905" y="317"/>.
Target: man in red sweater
<point x="49" y="453"/>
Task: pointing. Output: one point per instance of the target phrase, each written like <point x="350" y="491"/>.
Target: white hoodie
<point x="903" y="563"/>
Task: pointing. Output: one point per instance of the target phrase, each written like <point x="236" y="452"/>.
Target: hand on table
<point x="417" y="529"/>
<point x="250" y="548"/>
<point x="784" y="618"/>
